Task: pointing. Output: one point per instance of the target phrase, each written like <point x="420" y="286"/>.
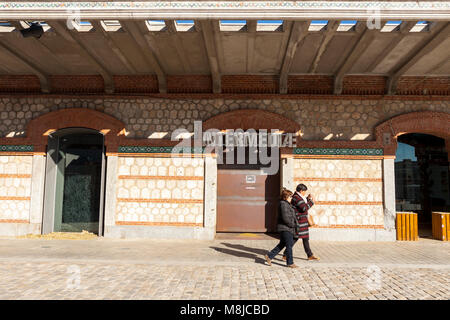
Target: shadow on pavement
<point x="261" y="252"/>
<point x="240" y="254"/>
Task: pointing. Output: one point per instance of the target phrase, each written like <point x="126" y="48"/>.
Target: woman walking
<point x="287" y="224"/>
<point x="302" y="204"/>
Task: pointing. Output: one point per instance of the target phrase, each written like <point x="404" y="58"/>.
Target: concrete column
<point x="37" y="190"/>
<point x="110" y="191"/>
<point x="287" y="173"/>
<point x="210" y="196"/>
<point x="389" y="194"/>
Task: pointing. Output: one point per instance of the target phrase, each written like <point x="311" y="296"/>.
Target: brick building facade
<point x="346" y="122"/>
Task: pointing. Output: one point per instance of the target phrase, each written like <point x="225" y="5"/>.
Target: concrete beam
<point x="60" y="28"/>
<point x="209" y="38"/>
<point x="41" y="74"/>
<point x="182" y="56"/>
<point x="437" y="34"/>
<point x="298" y="32"/>
<point x="251" y="38"/>
<point x="361" y="45"/>
<point x="142" y="42"/>
<point x="439" y="64"/>
<point x="329" y="34"/>
<point x="112" y="45"/>
<point x="41" y="44"/>
<point x="405" y="26"/>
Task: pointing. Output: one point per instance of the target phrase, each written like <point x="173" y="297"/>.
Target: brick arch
<point x="39" y="128"/>
<point x="428" y="122"/>
<point x="251" y="119"/>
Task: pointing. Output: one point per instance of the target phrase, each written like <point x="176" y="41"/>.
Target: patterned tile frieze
<point x="16" y="148"/>
<point x="291" y="9"/>
<point x="146" y="149"/>
<point x="337" y="151"/>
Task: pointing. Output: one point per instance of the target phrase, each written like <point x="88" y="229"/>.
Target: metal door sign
<point x="250" y="178"/>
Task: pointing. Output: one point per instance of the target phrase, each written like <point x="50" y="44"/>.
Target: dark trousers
<point x="305" y="246"/>
<point x="286" y="240"/>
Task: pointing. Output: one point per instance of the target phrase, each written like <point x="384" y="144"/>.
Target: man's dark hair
<point x="301" y="187"/>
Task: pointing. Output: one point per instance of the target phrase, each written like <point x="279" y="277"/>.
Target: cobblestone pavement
<point x="220" y="269"/>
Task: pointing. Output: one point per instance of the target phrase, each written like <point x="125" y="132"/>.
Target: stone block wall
<point x="348" y="193"/>
<point x="15" y="188"/>
<point x="320" y="119"/>
<point x="160" y="191"/>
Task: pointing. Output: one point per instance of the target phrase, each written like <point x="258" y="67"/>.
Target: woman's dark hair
<point x="301" y="187"/>
<point x="285" y="193"/>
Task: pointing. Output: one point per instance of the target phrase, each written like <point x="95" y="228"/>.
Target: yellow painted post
<point x="446" y="227"/>
<point x="441" y="226"/>
<point x="403" y="227"/>
<point x="407" y="230"/>
<point x="407" y="226"/>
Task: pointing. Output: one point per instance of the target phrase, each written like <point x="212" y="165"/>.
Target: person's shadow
<point x="240" y="254"/>
<point x="252" y="252"/>
<point x="245" y="252"/>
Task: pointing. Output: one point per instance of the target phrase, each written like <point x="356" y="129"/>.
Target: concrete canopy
<point x="184" y="38"/>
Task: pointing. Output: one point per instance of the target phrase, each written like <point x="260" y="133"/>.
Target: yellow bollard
<point x="407" y="229"/>
<point x="441" y="225"/>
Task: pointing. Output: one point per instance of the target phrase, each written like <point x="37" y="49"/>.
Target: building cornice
<point x="286" y="10"/>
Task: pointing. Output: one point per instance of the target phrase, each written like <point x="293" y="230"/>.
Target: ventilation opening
<point x="184" y="25"/>
<point x="318" y="25"/>
<point x="156" y="25"/>
<point x="111" y="25"/>
<point x="233" y="25"/>
<point x="421" y="26"/>
<point x="269" y="25"/>
<point x="391" y="26"/>
<point x="347" y="25"/>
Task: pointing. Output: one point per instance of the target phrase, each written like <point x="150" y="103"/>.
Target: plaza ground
<point x="225" y="268"/>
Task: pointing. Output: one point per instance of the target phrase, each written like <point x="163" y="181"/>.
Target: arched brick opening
<point x="251" y="119"/>
<point x="38" y="129"/>
<point x="428" y="122"/>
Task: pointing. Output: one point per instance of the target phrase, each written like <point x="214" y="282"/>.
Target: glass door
<point x="76" y="165"/>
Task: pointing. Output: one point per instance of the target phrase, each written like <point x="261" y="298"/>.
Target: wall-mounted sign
<point x="250" y="178"/>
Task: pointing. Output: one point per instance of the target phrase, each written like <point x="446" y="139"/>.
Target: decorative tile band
<point x="169" y="224"/>
<point x="160" y="200"/>
<point x="26" y="176"/>
<point x="349" y="203"/>
<point x="337" y="152"/>
<point x="160" y="177"/>
<point x="214" y="9"/>
<point x="117" y="5"/>
<point x="16" y="148"/>
<point x="340" y="179"/>
<point x="144" y="149"/>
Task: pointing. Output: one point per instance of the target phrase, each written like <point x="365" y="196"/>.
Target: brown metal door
<point x="247" y="200"/>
